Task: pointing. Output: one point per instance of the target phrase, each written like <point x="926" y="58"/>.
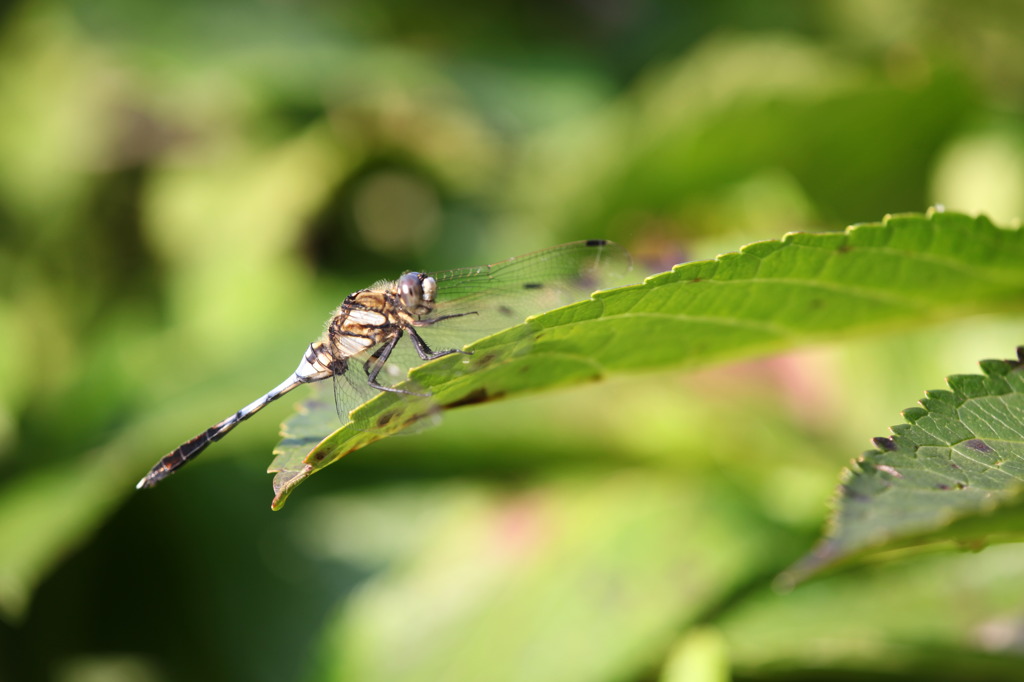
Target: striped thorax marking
<point x="365" y="319"/>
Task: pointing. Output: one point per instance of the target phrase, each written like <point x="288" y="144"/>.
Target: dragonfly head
<point x="416" y="291"/>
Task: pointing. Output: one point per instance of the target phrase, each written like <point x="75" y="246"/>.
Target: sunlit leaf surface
<point x="771" y="295"/>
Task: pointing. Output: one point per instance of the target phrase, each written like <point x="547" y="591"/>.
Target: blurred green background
<point x="188" y="189"/>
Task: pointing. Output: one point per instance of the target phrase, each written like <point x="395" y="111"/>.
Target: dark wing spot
<point x="979" y="445"/>
<point x="887" y="444"/>
<point x="533" y="285"/>
<point x="597" y="242"/>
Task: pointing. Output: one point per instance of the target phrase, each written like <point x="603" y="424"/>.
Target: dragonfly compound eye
<point x="410" y="291"/>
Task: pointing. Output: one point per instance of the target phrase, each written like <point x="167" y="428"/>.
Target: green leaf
<point x="905" y="271"/>
<point x="960" y="455"/>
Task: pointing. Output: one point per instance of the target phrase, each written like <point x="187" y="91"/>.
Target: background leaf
<point x="960" y="455"/>
<point x="771" y="295"/>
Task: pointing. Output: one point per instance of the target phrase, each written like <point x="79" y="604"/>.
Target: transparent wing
<point x="494" y="297"/>
<point x="352" y="387"/>
<point x="488" y="298"/>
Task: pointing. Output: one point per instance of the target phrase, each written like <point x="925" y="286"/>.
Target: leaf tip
<point x="285" y="482"/>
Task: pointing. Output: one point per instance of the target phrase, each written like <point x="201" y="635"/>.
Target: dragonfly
<point x="463" y="305"/>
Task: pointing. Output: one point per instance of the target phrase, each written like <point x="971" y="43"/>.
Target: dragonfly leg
<point x="376" y="363"/>
<point x="434" y="320"/>
<point x="424" y="350"/>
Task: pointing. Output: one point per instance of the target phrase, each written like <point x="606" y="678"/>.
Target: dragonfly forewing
<point x="503" y="294"/>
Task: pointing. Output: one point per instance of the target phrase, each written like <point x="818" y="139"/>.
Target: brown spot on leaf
<point x="475" y="397"/>
<point x="978" y="445"/>
<point x="412" y="419"/>
<point x="886" y="444"/>
<point x="483" y="360"/>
